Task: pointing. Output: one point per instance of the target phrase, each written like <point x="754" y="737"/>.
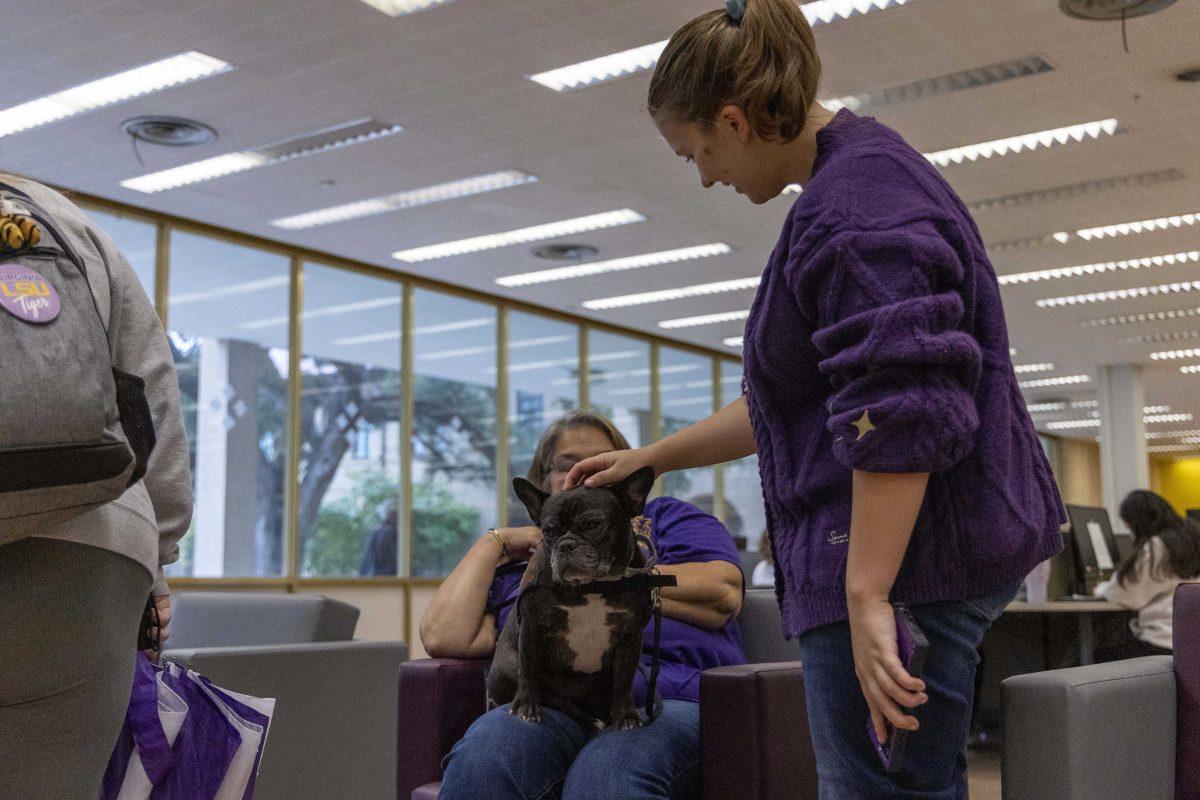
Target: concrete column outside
<point x="226" y="458"/>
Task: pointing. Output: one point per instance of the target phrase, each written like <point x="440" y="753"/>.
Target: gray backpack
<point x="75" y="433"/>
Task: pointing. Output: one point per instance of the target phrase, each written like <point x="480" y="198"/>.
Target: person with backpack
<point x="1166" y="553"/>
<point x="95" y="490"/>
<point x="898" y="461"/>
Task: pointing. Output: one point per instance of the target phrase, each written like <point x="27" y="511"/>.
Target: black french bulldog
<point x="562" y="648"/>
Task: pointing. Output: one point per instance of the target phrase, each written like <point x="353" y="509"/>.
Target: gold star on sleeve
<point x="864" y="425"/>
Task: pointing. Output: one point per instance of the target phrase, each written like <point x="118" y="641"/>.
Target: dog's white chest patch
<point x="588" y="633"/>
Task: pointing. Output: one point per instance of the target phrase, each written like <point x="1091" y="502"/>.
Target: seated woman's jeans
<point x="503" y="757"/>
<point x="934" y="766"/>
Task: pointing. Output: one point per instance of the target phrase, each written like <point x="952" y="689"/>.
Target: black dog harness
<point x="636" y="579"/>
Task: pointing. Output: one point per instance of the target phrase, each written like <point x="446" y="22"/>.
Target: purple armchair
<point x="753" y="726"/>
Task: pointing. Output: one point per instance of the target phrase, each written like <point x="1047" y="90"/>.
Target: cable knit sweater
<point x="877" y="342"/>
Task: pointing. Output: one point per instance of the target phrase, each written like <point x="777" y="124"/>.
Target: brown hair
<point x="766" y="64"/>
<point x="543" y="456"/>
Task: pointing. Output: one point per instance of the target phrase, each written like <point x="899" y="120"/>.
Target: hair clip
<point x="736" y="9"/>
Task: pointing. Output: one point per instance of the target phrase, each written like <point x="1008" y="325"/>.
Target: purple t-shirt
<point x="681" y="534"/>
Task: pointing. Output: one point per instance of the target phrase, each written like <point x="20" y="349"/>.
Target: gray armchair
<point x="1127" y="730"/>
<point x="334" y="729"/>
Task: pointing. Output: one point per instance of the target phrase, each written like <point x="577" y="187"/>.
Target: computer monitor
<point x="1092" y="545"/>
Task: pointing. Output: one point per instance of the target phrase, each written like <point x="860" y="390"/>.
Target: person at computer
<point x="1166" y="553"/>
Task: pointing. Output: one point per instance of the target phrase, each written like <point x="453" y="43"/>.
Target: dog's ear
<point x="634" y="490"/>
<point x="532" y="497"/>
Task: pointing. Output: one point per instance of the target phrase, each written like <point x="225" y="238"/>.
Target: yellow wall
<point x="1079" y="473"/>
<point x="1177" y="481"/>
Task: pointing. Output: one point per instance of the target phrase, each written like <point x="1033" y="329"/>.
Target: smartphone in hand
<point x="913" y="648"/>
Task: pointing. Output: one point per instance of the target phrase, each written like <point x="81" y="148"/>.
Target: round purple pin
<point x="27" y="295"/>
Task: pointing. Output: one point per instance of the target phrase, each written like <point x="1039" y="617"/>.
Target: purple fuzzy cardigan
<point x="877" y="342"/>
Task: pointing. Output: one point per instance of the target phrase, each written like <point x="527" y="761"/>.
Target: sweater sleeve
<point x="140" y="347"/>
<point x="889" y="320"/>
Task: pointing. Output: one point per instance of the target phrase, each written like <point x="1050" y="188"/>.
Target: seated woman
<point x="503" y="756"/>
<point x="1166" y="553"/>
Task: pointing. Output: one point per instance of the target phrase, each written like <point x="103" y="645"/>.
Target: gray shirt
<point x="148" y="520"/>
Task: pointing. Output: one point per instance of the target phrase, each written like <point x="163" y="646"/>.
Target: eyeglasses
<point x="563" y="464"/>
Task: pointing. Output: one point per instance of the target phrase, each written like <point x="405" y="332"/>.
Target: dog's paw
<point x="625" y="720"/>
<point x="526" y="708"/>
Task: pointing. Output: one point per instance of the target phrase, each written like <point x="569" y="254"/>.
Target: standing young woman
<point x="897" y="458"/>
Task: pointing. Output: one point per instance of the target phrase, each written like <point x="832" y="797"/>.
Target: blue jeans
<point x="934" y="766"/>
<point x="503" y="757"/>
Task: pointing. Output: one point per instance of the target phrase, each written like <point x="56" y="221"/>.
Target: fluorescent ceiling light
<point x="1063" y="381"/>
<point x="1168" y="355"/>
<point x="615" y="265"/>
<point x="1190" y="256"/>
<point x="1039" y="408"/>
<point x="1153" y="418"/>
<point x="1085" y="404"/>
<point x="663" y="295"/>
<point x="218" y="166"/>
<point x="491" y="348"/>
<point x="823" y="12"/>
<point x="442" y="327"/>
<point x="136" y="82"/>
<point x="793" y="188"/>
<point x="1021" y="369"/>
<point x="396" y="8"/>
<point x="1147" y="316"/>
<point x="1070" y="191"/>
<point x="1170" y="434"/>
<point x="939" y="85"/>
<point x="345" y="308"/>
<point x="639" y="59"/>
<point x="704" y="319"/>
<point x="1192" y="369"/>
<point x="1119" y="294"/>
<point x="1155" y="409"/>
<point x="1101" y="232"/>
<point x="1072" y="424"/>
<point x="1143" y="226"/>
<point x="1158" y="338"/>
<point x="1171" y="448"/>
<point x="399" y="201"/>
<point x="599" y="70"/>
<point x="1024" y="142"/>
<point x="732" y="341"/>
<point x="232" y="290"/>
<point x="550" y="230"/>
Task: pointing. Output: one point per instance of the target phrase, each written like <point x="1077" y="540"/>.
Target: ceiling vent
<point x="1111" y="10"/>
<point x="169" y="131"/>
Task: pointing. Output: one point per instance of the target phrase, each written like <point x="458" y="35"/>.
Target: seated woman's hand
<point x="609" y="467"/>
<point x="521" y="543"/>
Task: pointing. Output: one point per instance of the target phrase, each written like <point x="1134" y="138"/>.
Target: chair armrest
<point x="342" y="693"/>
<point x="439" y="699"/>
<point x="1104" y="730"/>
<point x="754" y="740"/>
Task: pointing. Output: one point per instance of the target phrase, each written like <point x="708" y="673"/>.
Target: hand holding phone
<point x="913" y="648"/>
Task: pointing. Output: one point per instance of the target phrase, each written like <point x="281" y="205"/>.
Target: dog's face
<point x="586" y="531"/>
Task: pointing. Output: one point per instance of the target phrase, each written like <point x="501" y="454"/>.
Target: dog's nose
<point x="566" y="547"/>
